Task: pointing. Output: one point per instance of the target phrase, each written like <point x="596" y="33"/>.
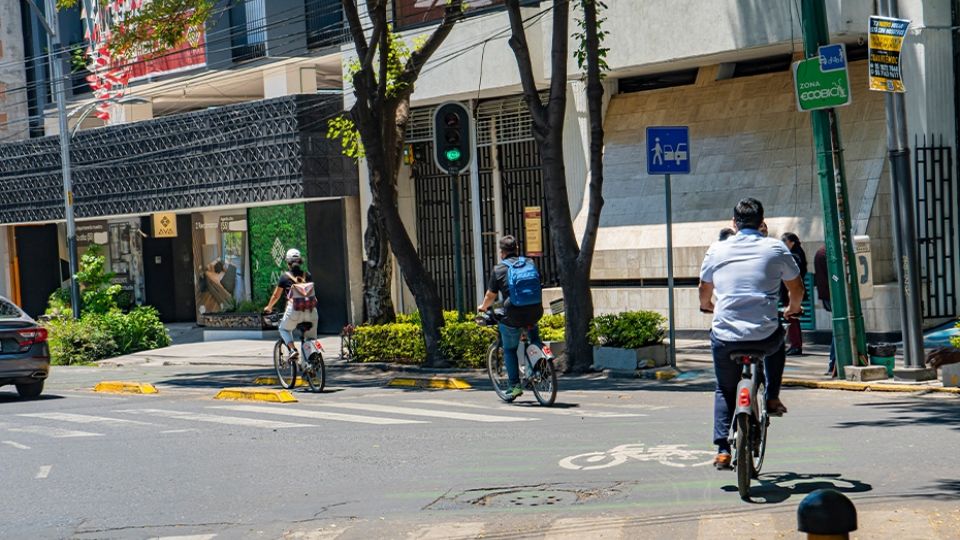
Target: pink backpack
<point x="301" y="294"/>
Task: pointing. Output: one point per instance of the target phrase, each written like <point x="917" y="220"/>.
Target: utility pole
<point x="847" y="315"/>
<point x="904" y="233"/>
<point x="52" y="25"/>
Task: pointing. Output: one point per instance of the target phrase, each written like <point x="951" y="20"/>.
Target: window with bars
<point x="324" y="23"/>
<point x="248" y="30"/>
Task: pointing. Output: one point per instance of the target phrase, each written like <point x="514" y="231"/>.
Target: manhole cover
<point x="536" y="496"/>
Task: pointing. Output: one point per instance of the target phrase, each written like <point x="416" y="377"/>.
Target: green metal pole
<point x="857" y="330"/>
<point x="815" y="34"/>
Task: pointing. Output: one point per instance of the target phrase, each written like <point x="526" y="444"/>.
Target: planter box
<point x="623" y="360"/>
<point x="232" y="321"/>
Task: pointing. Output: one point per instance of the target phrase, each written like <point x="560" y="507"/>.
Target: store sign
<point x="822" y="82"/>
<point x="165" y="225"/>
<point x="92" y="232"/>
<point x="533" y="225"/>
<point x="886" y="41"/>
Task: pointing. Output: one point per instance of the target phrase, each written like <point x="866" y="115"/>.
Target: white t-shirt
<point x="746" y="271"/>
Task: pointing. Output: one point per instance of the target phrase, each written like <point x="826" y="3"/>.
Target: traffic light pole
<point x="457" y="242"/>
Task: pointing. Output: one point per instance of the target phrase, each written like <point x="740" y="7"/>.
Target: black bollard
<point x="826" y="514"/>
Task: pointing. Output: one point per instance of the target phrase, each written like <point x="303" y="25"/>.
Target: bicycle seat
<point x="747" y="356"/>
<point x="304" y="326"/>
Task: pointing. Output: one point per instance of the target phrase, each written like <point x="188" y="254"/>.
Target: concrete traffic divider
<point x="274" y="381"/>
<point x="433" y="383"/>
<point x="270" y="395"/>
<point x="863" y="386"/>
<point x="124" y="387"/>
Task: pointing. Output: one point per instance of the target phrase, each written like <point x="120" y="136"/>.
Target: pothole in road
<point x="544" y="496"/>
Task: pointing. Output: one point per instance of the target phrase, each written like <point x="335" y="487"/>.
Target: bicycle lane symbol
<point x="671" y="455"/>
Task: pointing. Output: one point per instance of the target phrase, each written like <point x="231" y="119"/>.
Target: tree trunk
<point x="578" y="307"/>
<point x="377" y="271"/>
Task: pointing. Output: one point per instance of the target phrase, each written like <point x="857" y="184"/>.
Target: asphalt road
<point x="364" y="461"/>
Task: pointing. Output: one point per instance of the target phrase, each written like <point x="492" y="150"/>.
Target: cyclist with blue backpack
<point x="517" y="279"/>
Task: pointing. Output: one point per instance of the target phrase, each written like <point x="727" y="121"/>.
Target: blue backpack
<point x="523" y="280"/>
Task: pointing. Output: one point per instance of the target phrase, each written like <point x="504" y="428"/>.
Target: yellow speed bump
<point x="861" y="386"/>
<point x="273" y="381"/>
<point x="433" y="383"/>
<point x="256" y="394"/>
<point x="125" y="387"/>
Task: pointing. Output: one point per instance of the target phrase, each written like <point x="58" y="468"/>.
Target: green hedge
<point x="463" y="343"/>
<point x="552" y="327"/>
<point x="955" y="340"/>
<point x="628" y="330"/>
<point x="96" y="336"/>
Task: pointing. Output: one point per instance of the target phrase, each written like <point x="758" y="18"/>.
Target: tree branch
<point x="356" y="27"/>
<point x="521" y="50"/>
<point x="558" y="62"/>
<point x="595" y="108"/>
<point x="411" y="71"/>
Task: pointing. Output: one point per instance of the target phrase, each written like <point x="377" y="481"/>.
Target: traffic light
<point x="451" y="137"/>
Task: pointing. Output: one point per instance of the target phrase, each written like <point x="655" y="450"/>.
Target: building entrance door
<point x="158" y="276"/>
<point x="38" y="255"/>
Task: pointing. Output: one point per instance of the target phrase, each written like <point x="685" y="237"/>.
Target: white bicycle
<point x="671" y="455"/>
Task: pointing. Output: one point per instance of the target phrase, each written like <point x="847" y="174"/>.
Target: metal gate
<point x="521" y="185"/>
<point x="937" y="213"/>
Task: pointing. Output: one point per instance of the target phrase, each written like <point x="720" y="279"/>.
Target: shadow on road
<point x="911" y="412"/>
<point x="777" y="487"/>
<point x="947" y="489"/>
<point x="13" y="397"/>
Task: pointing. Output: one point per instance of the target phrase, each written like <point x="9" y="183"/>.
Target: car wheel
<point x="30" y="390"/>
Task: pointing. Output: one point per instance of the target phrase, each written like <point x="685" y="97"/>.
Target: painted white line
<point x="188" y="430"/>
<point x="85" y="419"/>
<point x="215" y="419"/>
<point x="411" y="411"/>
<point x="548" y="410"/>
<point x="43" y="472"/>
<point x="57" y="433"/>
<point x="592" y="527"/>
<point x="319" y="415"/>
<point x="442" y="531"/>
<point x="16" y="445"/>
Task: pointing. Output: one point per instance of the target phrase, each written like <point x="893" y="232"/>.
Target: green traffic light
<point x="453" y="154"/>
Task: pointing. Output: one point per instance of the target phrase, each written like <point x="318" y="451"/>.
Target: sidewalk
<point x="694" y="362"/>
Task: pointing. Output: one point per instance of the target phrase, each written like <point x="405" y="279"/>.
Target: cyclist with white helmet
<point x="296" y="285"/>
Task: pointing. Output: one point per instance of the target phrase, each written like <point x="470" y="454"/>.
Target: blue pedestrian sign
<point x="668" y="150"/>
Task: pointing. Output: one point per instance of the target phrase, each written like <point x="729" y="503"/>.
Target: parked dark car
<point x="25" y="356"/>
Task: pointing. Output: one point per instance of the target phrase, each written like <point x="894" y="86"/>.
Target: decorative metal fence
<point x="937" y="213"/>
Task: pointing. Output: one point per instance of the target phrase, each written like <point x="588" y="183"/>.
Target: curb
<point x="274" y="381"/>
<point x="124" y="387"/>
<point x="434" y="383"/>
<point x="256" y="394"/>
<point x="863" y="386"/>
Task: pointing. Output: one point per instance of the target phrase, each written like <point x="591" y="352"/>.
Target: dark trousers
<point x="728" y="376"/>
<point x="833" y="342"/>
<point x="794" y="335"/>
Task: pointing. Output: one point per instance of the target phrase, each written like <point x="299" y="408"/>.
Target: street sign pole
<point x="670" y="306"/>
<point x="668" y="153"/>
<point x="904" y="232"/>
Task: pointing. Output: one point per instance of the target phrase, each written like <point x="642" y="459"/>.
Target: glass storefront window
<point x="221" y="262"/>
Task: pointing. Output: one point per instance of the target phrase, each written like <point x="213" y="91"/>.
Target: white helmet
<point x="293" y="256"/>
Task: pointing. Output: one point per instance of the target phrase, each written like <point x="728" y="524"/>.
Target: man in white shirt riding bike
<point x="745" y="272"/>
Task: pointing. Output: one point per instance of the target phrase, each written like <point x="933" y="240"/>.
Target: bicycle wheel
<point x="286" y="370"/>
<point x="742" y="451"/>
<point x="544" y="382"/>
<point x="760" y="438"/>
<point x="497" y="371"/>
<point x="316" y="374"/>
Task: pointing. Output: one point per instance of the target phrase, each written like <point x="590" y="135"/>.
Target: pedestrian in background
<point x="822" y="281"/>
<point x="794" y="335"/>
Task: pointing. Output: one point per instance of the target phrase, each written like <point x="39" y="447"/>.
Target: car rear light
<point x="744" y="399"/>
<point x="31" y="336"/>
<point x="746" y="359"/>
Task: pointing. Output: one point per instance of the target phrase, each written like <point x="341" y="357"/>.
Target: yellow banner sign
<point x="886" y="40"/>
<point x="533" y="225"/>
<point x="165" y="225"/>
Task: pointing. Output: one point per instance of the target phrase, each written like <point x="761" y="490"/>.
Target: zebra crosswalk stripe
<point x="548" y="410"/>
<point x="84" y="419"/>
<point x="57" y="433"/>
<point x="319" y="415"/>
<point x="216" y="419"/>
<point x="412" y="411"/>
